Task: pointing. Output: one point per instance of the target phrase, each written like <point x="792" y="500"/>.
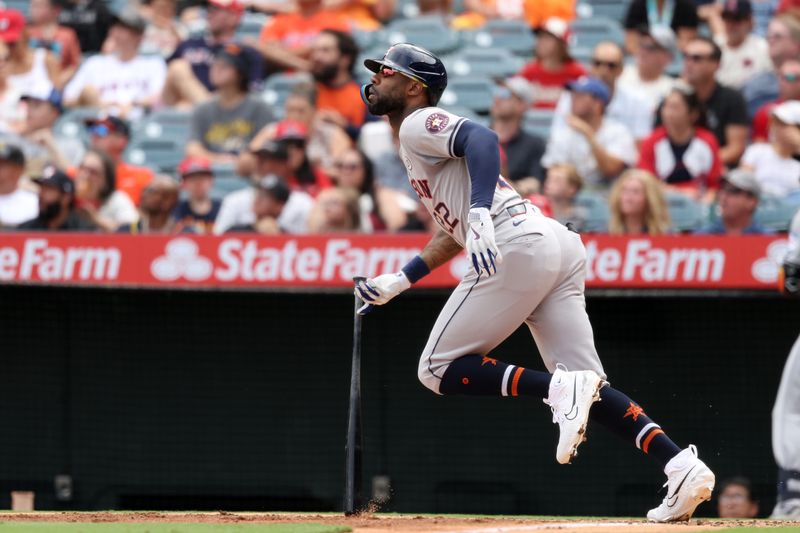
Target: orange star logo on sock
<point x="633" y="411"/>
<point x="488" y="360"/>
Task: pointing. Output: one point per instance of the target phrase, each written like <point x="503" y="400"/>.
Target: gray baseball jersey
<point x="540" y="282"/>
<point x="786" y="412"/>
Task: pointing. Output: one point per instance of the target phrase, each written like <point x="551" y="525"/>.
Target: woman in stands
<point x="552" y="67"/>
<point x="27" y="67"/>
<point x="637" y="205"/>
<point x="336" y="210"/>
<point x="682" y="152"/>
<point x="96" y="194"/>
<point x="772" y="163"/>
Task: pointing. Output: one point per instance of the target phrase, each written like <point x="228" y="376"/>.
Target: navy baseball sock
<point x="624" y="417"/>
<point x="477" y="375"/>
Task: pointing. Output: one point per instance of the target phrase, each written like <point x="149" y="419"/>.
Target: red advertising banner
<point x="246" y="261"/>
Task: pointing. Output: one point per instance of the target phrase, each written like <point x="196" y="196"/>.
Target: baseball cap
<point x="591" y="85"/>
<point x="557" y="27"/>
<point x="743" y="179"/>
<point x="194" y="165"/>
<point x="788" y="112"/>
<point x="12" y="154"/>
<point x="53" y="177"/>
<point x="234" y="55"/>
<point x="45" y="92"/>
<point x="737" y="8"/>
<point x="131" y="19"/>
<point x="663" y="36"/>
<point x="274" y="185"/>
<point x="273" y="149"/>
<point x="230" y="5"/>
<point x="105" y="125"/>
<point x="519" y="87"/>
<point x="291" y="130"/>
<point x="12" y="22"/>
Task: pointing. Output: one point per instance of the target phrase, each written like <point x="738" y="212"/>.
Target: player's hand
<point x="379" y="290"/>
<point x="790" y="279"/>
<point x="481" y="247"/>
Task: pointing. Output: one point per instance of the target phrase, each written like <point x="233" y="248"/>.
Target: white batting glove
<point x="379" y="290"/>
<point x="481" y="248"/>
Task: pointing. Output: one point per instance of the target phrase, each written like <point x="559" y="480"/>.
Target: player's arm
<point x="439" y="250"/>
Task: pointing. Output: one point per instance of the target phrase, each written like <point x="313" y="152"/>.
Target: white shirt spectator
<point x="119" y="208"/>
<point x="777" y="175"/>
<point x="37" y="75"/>
<point x="18" y="207"/>
<point x="120" y="83"/>
<point x="568" y="146"/>
<point x="237" y="210"/>
<point x="740" y="64"/>
<point x="653" y="91"/>
<point x="628" y="107"/>
<point x="11" y="112"/>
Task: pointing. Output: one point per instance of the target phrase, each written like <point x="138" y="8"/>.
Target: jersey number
<point x="442" y="215"/>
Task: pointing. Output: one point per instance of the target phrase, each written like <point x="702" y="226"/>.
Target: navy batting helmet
<point x="416" y="63"/>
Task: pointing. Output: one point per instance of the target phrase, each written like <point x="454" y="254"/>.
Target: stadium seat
<point x="611" y="9"/>
<point x="589" y="32"/>
<point x="775" y="213"/>
<point x="406" y="9"/>
<point x="512" y="35"/>
<point x="278" y="86"/>
<point x="161" y="155"/>
<point x="70" y="124"/>
<point x="431" y="33"/>
<point x="19" y="5"/>
<point x="687" y="215"/>
<point x="538" y="122"/>
<point x="226" y="181"/>
<point x="165" y="123"/>
<point x="596" y="208"/>
<point x="582" y="55"/>
<point x="491" y="62"/>
<point x="472" y="92"/>
<point x="468" y="114"/>
<point x="250" y="25"/>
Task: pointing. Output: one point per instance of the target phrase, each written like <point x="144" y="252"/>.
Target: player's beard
<point x="383" y="104"/>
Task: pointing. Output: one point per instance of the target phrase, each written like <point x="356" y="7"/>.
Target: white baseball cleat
<point x="689" y="483"/>
<point x="570" y="397"/>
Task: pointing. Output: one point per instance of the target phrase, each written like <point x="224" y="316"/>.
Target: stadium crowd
<point x="627" y="117"/>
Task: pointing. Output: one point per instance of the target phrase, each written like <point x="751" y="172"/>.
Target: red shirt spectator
<point x="788" y="89"/>
<point x="694" y="164"/>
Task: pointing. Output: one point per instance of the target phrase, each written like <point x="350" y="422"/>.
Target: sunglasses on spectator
<point x="612" y="65"/>
<point x="790" y="77"/>
<point x="697" y="58"/>
<point x="101" y="130"/>
<point x="341" y="165"/>
<point x="389" y="72"/>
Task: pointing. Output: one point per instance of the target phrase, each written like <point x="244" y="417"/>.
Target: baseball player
<point x="526" y="269"/>
<point x="786" y="412"/>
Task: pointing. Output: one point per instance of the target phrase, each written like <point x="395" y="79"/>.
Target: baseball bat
<point x="353" y="448"/>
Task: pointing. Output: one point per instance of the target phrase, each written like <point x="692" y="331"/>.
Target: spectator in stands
<point x="57" y="205"/>
<point x="110" y="135"/>
<point x="336" y="210"/>
<point x="523" y="150"/>
<point x="680" y="15"/>
<point x="788" y="89"/>
<point x="237" y="207"/>
<point x="646" y="75"/>
<point x="682" y="152"/>
<point x="45" y="32"/>
<point x="637" y="205"/>
<point x="629" y="108"/>
<point x="198" y="210"/>
<point x="552" y="67"/>
<point x="736" y="203"/>
<point x="534" y="12"/>
<point x="744" y="54"/>
<point x="562" y="185"/>
<point x="90" y="19"/>
<point x="17" y="205"/>
<point x="599" y="147"/>
<point x="36" y="137"/>
<point x="26" y="66"/>
<point x="188" y="75"/>
<point x="225" y="125"/>
<point x="96" y="194"/>
<point x="305" y="176"/>
<point x="364" y="15"/>
<point x="274" y="208"/>
<point x="735" y="499"/>
<point x="156" y="212"/>
<point x="294" y="33"/>
<point x="123" y="82"/>
<point x="11" y="114"/>
<point x="333" y="58"/>
<point x="164" y="31"/>
<point x="725" y="107"/>
<point x="783" y="41"/>
<point x="773" y="164"/>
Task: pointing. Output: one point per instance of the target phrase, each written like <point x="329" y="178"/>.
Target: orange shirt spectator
<point x="346" y="100"/>
<point x="296" y="32"/>
<point x="534" y="12"/>
<point x="132" y="180"/>
<point x="366" y="15"/>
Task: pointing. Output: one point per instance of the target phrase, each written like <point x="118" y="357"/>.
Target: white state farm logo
<point x="181" y="260"/>
<point x="765" y="269"/>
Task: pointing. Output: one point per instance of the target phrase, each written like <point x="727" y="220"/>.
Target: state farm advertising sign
<point x="246" y="261"/>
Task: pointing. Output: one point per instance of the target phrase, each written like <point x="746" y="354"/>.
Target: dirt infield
<point x="379" y="523"/>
